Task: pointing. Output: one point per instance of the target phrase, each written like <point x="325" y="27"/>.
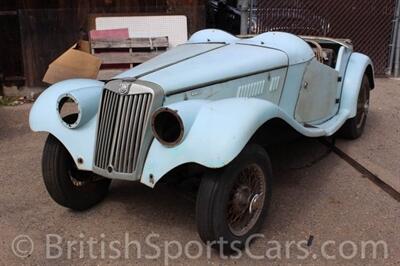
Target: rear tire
<point x="68" y="186"/>
<point x="232" y="202"/>
<point x="354" y="127"/>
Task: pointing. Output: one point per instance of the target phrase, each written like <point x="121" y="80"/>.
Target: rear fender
<point x="357" y="67"/>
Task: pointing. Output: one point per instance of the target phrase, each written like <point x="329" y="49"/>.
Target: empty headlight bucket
<point x="69" y="111"/>
<point x="78" y="107"/>
<point x="167" y="126"/>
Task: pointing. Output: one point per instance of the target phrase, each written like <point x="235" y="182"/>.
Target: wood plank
<point x="113" y="34"/>
<point x="156" y="42"/>
<point x="126" y="58"/>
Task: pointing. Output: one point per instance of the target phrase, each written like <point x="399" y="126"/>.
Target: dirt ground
<point x="321" y="206"/>
<point x="379" y="150"/>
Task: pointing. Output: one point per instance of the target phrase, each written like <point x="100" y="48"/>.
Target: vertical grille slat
<point x="125" y="135"/>
<point x="130" y="132"/>
<point x="122" y="122"/>
<point x="104" y="139"/>
<point x="135" y="126"/>
<point x="120" y="134"/>
<point x="106" y="108"/>
<point x="100" y="133"/>
<point x="140" y="129"/>
<point x="116" y="128"/>
<point x="108" y="126"/>
<point x="103" y="116"/>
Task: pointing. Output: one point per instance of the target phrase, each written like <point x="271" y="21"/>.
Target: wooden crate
<point x="119" y="55"/>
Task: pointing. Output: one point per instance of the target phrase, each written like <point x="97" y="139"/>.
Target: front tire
<point x="68" y="186"/>
<point x="232" y="202"/>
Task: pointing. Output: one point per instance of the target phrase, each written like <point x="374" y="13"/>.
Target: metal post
<point x="251" y="17"/>
<point x="397" y="55"/>
<point x="394" y="64"/>
<point x="243" y="6"/>
<point x="392" y="45"/>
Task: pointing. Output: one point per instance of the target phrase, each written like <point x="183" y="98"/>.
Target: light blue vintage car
<point x="207" y="109"/>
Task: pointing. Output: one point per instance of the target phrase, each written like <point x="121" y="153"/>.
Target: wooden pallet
<point x="119" y="55"/>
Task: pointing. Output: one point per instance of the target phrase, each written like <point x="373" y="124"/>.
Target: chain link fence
<point x="368" y="23"/>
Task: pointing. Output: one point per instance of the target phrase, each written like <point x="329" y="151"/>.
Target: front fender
<point x="356" y="68"/>
<point x="218" y="133"/>
<point x="80" y="142"/>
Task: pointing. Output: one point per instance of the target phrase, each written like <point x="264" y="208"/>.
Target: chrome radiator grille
<point x="121" y="129"/>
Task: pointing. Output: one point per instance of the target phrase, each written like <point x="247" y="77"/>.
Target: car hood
<point x="196" y="65"/>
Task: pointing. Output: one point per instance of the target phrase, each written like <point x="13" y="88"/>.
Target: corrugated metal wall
<point x="368" y="23"/>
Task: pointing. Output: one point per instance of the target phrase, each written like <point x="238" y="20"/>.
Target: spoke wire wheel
<point x="233" y="201"/>
<point x="79" y="178"/>
<point x="354" y="127"/>
<point x="362" y="106"/>
<point x="246" y="200"/>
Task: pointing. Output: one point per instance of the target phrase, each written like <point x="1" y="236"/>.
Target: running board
<point x="334" y="124"/>
<point x="325" y="129"/>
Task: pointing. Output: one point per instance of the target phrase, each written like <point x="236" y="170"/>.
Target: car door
<point x="317" y="98"/>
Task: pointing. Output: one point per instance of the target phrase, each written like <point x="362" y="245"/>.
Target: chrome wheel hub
<point x="255" y="203"/>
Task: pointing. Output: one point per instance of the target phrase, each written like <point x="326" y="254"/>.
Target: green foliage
<point x="11" y="100"/>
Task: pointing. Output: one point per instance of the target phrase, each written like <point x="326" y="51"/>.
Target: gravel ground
<point x="318" y="198"/>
